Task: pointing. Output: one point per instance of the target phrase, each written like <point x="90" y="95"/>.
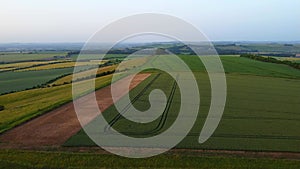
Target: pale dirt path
<point x="56" y="126"/>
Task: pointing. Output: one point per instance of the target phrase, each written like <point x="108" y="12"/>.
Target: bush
<point x="1" y="107"/>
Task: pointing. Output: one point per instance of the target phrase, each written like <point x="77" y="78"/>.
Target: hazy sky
<point x="77" y="20"/>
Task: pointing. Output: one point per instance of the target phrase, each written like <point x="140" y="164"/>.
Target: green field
<point x="261" y="113"/>
<point x="65" y="64"/>
<point x="25" y="105"/>
<point x="16" y="81"/>
<point x="49" y="159"/>
<point x="97" y="56"/>
<point x="22" y="65"/>
<point x="69" y="78"/>
<point x="17" y="57"/>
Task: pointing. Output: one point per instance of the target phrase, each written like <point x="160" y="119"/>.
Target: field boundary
<point x="56" y="126"/>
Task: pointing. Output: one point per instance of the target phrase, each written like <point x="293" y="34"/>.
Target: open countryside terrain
<point x="48" y="130"/>
<point x="21" y="76"/>
<point x="261" y="113"/>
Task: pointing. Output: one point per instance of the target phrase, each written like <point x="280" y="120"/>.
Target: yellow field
<point x="68" y="79"/>
<point x="12" y="66"/>
<point x="286" y="58"/>
<point x="128" y="64"/>
<point x="132" y="63"/>
<point x="64" y="65"/>
<point x="22" y="106"/>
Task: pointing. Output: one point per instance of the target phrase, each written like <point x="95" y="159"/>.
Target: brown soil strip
<point x="55" y="127"/>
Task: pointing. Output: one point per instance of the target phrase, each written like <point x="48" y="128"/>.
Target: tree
<point x="1" y="107"/>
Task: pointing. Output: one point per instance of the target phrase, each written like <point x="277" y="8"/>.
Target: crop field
<point x="69" y="78"/>
<point x="21" y="65"/>
<point x="20" y="76"/>
<point x="86" y="160"/>
<point x="16" y="57"/>
<point x="66" y="64"/>
<point x="261" y="112"/>
<point x="261" y="48"/>
<point x="126" y="64"/>
<point x="16" y="81"/>
<point x="97" y="56"/>
<point x="287" y="58"/>
<point x="292" y="59"/>
<point x="134" y="87"/>
<point x="18" y="110"/>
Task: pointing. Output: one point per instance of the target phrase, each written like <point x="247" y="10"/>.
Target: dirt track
<point x="55" y="127"/>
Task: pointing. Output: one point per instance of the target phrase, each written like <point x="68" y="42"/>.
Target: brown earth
<point x="55" y="127"/>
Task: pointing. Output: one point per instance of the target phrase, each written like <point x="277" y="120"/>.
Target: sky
<point x="220" y="20"/>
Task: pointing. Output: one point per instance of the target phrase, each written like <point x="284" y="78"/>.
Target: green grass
<point x="253" y="67"/>
<point x="261" y="112"/>
<point x="238" y="65"/>
<point x="245" y="66"/>
<point x="42" y="159"/>
<point x="16" y="81"/>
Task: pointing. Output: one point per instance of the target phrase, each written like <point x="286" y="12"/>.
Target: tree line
<point x="271" y="60"/>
